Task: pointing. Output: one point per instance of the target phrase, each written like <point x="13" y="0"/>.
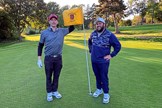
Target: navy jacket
<point x="100" y="46"/>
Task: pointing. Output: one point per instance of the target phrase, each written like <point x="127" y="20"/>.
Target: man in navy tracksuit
<point x="100" y="43"/>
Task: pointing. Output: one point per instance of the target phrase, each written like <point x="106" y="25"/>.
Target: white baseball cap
<point x="99" y="19"/>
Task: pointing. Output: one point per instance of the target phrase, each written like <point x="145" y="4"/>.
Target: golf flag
<point x="73" y="16"/>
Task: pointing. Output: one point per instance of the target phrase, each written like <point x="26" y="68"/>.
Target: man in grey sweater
<point x="53" y="39"/>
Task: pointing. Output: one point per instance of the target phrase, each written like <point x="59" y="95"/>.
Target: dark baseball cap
<point x="52" y="16"/>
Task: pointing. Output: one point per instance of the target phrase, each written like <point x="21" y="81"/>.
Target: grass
<point x="144" y="32"/>
<point x="135" y="76"/>
<point x="152" y="27"/>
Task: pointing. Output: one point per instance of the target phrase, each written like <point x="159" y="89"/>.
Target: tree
<point x="115" y="8"/>
<point x="153" y="9"/>
<point x="125" y="23"/>
<point x="53" y="7"/>
<point x="74" y="6"/>
<point x="6" y="26"/>
<point x="90" y="16"/>
<point x="138" y="7"/>
<point x="159" y="13"/>
<point x="19" y="10"/>
<point x="38" y="18"/>
<point x="136" y="20"/>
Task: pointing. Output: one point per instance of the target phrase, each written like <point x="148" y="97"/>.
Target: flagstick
<point x="85" y="44"/>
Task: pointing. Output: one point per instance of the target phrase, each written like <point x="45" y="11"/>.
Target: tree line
<point x="31" y="15"/>
<point x="114" y="11"/>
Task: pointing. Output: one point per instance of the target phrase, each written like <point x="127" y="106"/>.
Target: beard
<point x="100" y="29"/>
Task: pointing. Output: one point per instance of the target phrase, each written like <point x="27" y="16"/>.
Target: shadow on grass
<point x="142" y="55"/>
<point x="8" y="43"/>
<point x="138" y="38"/>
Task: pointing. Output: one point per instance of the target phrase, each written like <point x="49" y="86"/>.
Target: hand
<point x="108" y="57"/>
<point x="39" y="63"/>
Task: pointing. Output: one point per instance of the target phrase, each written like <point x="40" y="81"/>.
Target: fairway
<point x="135" y="77"/>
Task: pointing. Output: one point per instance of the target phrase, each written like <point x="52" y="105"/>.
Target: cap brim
<point x="53" y="17"/>
<point x="99" y="21"/>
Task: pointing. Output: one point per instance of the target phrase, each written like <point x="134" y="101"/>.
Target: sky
<point x="72" y="2"/>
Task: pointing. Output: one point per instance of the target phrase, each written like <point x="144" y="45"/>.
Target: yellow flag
<point x="73" y="16"/>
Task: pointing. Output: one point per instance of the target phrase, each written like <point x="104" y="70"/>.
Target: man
<point x="100" y="43"/>
<point x="53" y="39"/>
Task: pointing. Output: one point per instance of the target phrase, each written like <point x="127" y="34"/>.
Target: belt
<point x="55" y="55"/>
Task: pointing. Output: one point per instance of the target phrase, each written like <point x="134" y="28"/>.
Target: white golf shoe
<point x="49" y="97"/>
<point x="57" y="94"/>
<point x="106" y="98"/>
<point x="97" y="93"/>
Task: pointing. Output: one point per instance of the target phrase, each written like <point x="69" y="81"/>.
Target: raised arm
<point x="71" y="28"/>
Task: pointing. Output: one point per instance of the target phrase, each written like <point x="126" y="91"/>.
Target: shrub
<point x="7" y="29"/>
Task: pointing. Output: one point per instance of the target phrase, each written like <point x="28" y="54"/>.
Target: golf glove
<point x="39" y="63"/>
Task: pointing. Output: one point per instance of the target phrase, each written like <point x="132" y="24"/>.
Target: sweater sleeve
<point x="71" y="28"/>
<point x="40" y="48"/>
<point x="90" y="43"/>
<point x="114" y="42"/>
<point x="41" y="44"/>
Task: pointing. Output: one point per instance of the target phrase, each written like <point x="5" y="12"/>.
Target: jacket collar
<point x="104" y="32"/>
<point x="50" y="28"/>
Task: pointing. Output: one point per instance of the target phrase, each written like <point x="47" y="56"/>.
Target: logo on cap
<point x="52" y="16"/>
